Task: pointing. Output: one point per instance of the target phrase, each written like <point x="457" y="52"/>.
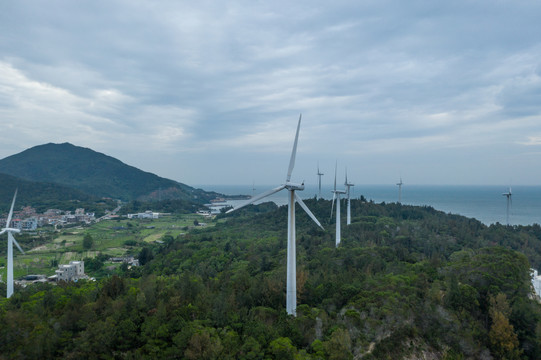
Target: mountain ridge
<point x="95" y="174"/>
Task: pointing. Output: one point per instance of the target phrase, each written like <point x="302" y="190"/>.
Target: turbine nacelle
<point x="292" y="186"/>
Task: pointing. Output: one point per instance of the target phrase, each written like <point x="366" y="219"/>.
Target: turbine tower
<point x="336" y="195"/>
<point x="400" y="191"/>
<point x="319" y="175"/>
<point x="348" y="192"/>
<point x="509" y="202"/>
<point x="291" y="287"/>
<point x="11" y="240"/>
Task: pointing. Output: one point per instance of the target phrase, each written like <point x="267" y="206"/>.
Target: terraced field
<point x="112" y="238"/>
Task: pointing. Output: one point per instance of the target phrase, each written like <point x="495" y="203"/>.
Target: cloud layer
<point x="441" y="93"/>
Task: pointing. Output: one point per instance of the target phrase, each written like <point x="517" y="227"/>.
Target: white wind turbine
<point x="11" y="240"/>
<point x="319" y="175"/>
<point x="336" y="195"/>
<point x="291" y="287"/>
<point x="509" y="202"/>
<point x="348" y="192"/>
<point x="400" y="191"/>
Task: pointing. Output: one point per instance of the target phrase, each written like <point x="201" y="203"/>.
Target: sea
<point x="484" y="203"/>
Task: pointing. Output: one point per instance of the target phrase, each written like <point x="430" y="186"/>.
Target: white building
<point x="146" y="215"/>
<point x="73" y="271"/>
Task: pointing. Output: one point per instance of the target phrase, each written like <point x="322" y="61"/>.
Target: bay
<point x="484" y="203"/>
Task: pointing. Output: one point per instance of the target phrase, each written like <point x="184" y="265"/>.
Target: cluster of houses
<point x="29" y="220"/>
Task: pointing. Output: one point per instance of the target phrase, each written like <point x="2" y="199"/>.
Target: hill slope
<point x="405" y="283"/>
<point x="38" y="194"/>
<point x="94" y="173"/>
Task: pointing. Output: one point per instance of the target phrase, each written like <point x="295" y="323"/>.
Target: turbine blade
<point x="16" y="243"/>
<point x="293" y="152"/>
<point x="258" y="197"/>
<point x="335" y="166"/>
<point x="332" y="206"/>
<point x="305" y="208"/>
<point x="8" y="222"/>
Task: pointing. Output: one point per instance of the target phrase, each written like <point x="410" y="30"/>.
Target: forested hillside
<point x="95" y="174"/>
<point x="406" y="282"/>
<point x="43" y="196"/>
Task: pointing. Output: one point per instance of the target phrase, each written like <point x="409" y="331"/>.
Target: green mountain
<point x="95" y="174"/>
<point x="43" y="196"/>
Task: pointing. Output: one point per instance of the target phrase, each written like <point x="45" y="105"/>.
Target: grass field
<point x="113" y="238"/>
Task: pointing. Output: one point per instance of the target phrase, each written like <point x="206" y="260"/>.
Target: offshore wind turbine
<point x="400" y="191"/>
<point x="336" y="195"/>
<point x="348" y="192"/>
<point x="291" y="287"/>
<point x="509" y="195"/>
<point x="11" y="240"/>
<point x="319" y="175"/>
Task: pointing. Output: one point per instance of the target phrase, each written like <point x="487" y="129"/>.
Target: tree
<point x="503" y="339"/>
<point x="338" y="347"/>
<point x="204" y="345"/>
<point x="145" y="255"/>
<point x="88" y="241"/>
<point x="282" y="348"/>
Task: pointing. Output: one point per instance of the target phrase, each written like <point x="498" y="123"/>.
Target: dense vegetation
<point x="45" y="196"/>
<point x="405" y="282"/>
<point x="176" y="206"/>
<point x="96" y="174"/>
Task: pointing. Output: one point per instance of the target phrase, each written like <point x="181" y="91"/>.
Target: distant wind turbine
<point x="509" y="202"/>
<point x="291" y="287"/>
<point x="348" y="192"/>
<point x="319" y="175"/>
<point x="253" y="188"/>
<point x="11" y="240"/>
<point x="400" y="191"/>
<point x="336" y="195"/>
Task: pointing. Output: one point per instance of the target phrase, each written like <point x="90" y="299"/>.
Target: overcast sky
<point x="209" y="92"/>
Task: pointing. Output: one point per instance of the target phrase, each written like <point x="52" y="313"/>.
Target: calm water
<point x="484" y="203"/>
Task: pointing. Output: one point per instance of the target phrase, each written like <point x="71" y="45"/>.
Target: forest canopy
<point x="405" y="282"/>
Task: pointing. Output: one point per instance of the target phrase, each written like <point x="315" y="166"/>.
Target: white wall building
<point x="146" y="215"/>
<point x="75" y="270"/>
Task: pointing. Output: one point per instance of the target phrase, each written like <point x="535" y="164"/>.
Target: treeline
<point x="406" y="282"/>
<point x="176" y="206"/>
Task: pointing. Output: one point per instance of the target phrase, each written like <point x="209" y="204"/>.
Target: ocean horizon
<point x="482" y="202"/>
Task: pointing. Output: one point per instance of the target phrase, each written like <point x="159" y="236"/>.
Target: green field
<point x="113" y="238"/>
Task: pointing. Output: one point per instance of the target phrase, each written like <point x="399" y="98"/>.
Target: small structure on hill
<point x="74" y="271"/>
<point x="146" y="215"/>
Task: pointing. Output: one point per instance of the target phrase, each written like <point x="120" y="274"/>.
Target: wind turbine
<point x="336" y="195"/>
<point x="348" y="186"/>
<point x="11" y="240"/>
<point x="509" y="202"/>
<point x="319" y="174"/>
<point x="400" y="191"/>
<point x="291" y="286"/>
